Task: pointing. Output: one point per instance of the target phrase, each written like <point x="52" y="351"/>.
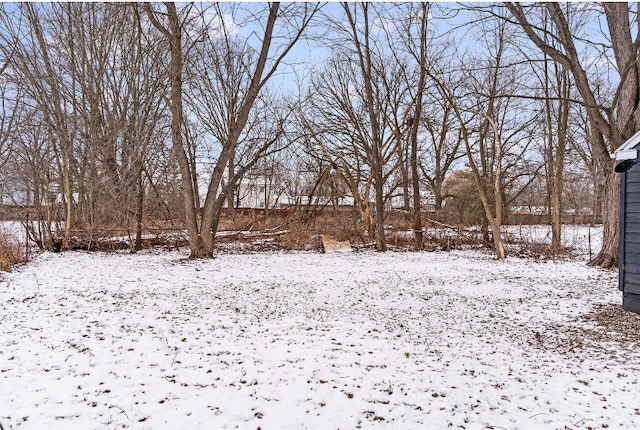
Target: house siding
<point x="629" y="264"/>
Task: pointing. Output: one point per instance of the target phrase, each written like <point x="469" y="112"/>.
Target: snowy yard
<point x="306" y="340"/>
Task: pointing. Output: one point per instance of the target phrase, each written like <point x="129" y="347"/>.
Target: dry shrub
<point x="401" y="239"/>
<point x="114" y="237"/>
<point x="286" y="229"/>
<point x="528" y="246"/>
<point x="255" y="230"/>
<point x="539" y="251"/>
<point x="11" y="252"/>
<point x="247" y="220"/>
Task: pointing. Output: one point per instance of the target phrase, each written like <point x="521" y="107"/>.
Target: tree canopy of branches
<point x="225" y="99"/>
<point x="118" y="115"/>
<point x="613" y="118"/>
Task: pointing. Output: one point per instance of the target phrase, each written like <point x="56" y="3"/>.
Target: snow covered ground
<point x="305" y="340"/>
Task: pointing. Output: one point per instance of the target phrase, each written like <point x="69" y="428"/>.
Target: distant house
<point x="629" y="254"/>
<point x="256" y="193"/>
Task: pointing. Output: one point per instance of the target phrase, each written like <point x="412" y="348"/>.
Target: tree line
<point x="116" y="113"/>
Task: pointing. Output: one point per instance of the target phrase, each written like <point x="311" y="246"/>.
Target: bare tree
<point x="34" y="167"/>
<point x="33" y="64"/>
<point x="414" y="121"/>
<point x="81" y="68"/>
<point x="557" y="86"/>
<point x="334" y="129"/>
<point x="339" y="127"/>
<point x="612" y="120"/>
<point x="360" y="34"/>
<point x="434" y="139"/>
<point x="264" y="65"/>
<point x="118" y="107"/>
<point x="441" y="148"/>
<point x="496" y="139"/>
<point x="10" y="105"/>
<point x="172" y="32"/>
<point x="364" y="141"/>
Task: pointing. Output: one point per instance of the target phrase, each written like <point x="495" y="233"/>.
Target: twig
<point x="397" y="274"/>
<point x="278" y="227"/>
<point x="65" y="417"/>
<point x="122" y="410"/>
<point x="35" y="296"/>
<point x="432" y="221"/>
<point x="535" y="415"/>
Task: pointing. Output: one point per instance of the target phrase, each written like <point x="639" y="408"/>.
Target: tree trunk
<point x="174" y="37"/>
<point x="608" y="256"/>
<point x="60" y="123"/>
<point x="417" y="204"/>
<point x="415" y="180"/>
<point x="231" y="193"/>
<point x="381" y="244"/>
<point x="363" y="50"/>
<point x="496" y="222"/>
<point x="493" y="215"/>
<point x="140" y="208"/>
<point x="555" y="154"/>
